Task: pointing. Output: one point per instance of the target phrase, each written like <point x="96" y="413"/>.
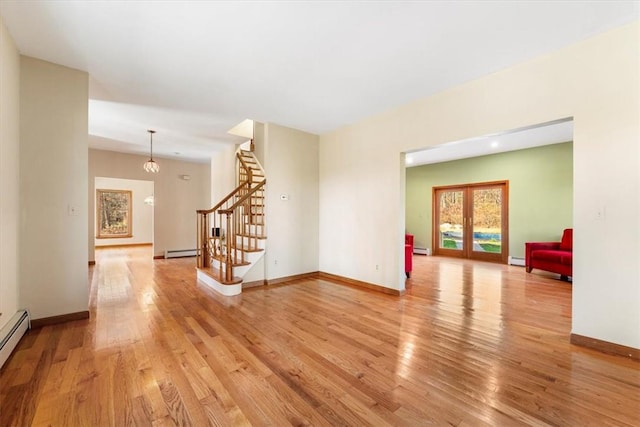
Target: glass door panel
<point x="471" y="221"/>
<point x="451" y="220"/>
<point x="487" y="220"/>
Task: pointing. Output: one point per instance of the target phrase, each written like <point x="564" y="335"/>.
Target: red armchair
<point x="408" y="254"/>
<point x="556" y="257"/>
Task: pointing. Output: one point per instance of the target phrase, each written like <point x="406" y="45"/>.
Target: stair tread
<point x="244" y="248"/>
<point x="251" y="236"/>
<point x="214" y="273"/>
<point x="235" y="264"/>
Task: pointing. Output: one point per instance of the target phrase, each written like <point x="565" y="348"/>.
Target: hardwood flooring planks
<point x="469" y="344"/>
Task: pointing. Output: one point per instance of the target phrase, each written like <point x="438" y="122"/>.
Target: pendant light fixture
<point x="150" y="165"/>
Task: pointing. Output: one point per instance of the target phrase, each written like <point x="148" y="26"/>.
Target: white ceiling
<point x="518" y="139"/>
<point x="193" y="69"/>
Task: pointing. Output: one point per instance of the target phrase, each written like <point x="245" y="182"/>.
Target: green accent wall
<point x="540" y="192"/>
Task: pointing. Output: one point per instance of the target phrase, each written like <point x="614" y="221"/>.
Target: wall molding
<point x="334" y="278"/>
<point x="123" y="245"/>
<point x="286" y="279"/>
<point x="353" y="282"/>
<point x="254" y="284"/>
<point x="54" y="320"/>
<point x="606" y="347"/>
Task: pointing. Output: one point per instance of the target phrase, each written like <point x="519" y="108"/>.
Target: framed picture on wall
<point x="113" y="214"/>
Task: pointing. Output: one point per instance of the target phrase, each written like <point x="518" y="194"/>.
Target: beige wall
<point x="141" y="213"/>
<point x="289" y="158"/>
<point x="596" y="82"/>
<point x="259" y="141"/>
<point x="53" y="188"/>
<point x="223" y="178"/>
<point x="9" y="174"/>
<point x="176" y="200"/>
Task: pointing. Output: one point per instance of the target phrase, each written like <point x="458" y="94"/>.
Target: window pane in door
<point x="487" y="220"/>
<point x="451" y="220"/>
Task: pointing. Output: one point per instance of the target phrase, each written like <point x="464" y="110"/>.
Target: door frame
<point x="467" y="250"/>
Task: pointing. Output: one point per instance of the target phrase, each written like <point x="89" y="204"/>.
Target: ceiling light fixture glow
<point x="494" y="144"/>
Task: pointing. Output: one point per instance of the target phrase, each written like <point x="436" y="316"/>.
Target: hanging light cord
<point x="150" y="165"/>
<point x="151" y="132"/>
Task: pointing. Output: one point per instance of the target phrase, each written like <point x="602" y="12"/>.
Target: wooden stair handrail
<point x="240" y="214"/>
<point x="242" y="199"/>
<point x="248" y="170"/>
<point x="223" y="201"/>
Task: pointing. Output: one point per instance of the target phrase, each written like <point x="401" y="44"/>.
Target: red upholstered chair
<point x="556" y="257"/>
<point x="408" y="254"/>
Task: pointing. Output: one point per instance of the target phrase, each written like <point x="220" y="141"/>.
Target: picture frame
<point x="113" y="214"/>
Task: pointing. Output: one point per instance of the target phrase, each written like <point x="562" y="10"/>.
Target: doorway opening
<point x="134" y="219"/>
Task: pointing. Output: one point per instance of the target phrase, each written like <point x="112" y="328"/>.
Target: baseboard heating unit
<point x="178" y="253"/>
<point x="516" y="261"/>
<point x="12" y="332"/>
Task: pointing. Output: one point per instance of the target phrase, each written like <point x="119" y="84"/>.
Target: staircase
<point x="231" y="235"/>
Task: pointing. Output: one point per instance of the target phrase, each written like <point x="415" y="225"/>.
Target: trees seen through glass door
<point x="471" y="221"/>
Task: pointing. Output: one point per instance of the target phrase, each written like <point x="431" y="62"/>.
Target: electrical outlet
<point x="377" y="267"/>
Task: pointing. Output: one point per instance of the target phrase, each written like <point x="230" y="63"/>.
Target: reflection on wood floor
<point x="470" y="344"/>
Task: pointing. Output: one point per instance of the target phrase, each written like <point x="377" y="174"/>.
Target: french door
<point x="471" y="221"/>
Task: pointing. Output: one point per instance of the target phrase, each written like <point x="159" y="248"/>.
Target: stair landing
<point x="210" y="277"/>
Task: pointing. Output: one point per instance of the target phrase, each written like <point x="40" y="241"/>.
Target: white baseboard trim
<point x="516" y="261"/>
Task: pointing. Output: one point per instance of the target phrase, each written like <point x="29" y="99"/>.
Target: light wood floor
<point x="472" y="344"/>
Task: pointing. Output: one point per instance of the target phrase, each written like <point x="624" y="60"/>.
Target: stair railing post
<point x="198" y="240"/>
<point x="204" y="241"/>
<point x="228" y="259"/>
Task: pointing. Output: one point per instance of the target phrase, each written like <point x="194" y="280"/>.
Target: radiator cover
<point x="177" y="253"/>
<point x="516" y="261"/>
<point x="11" y="334"/>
